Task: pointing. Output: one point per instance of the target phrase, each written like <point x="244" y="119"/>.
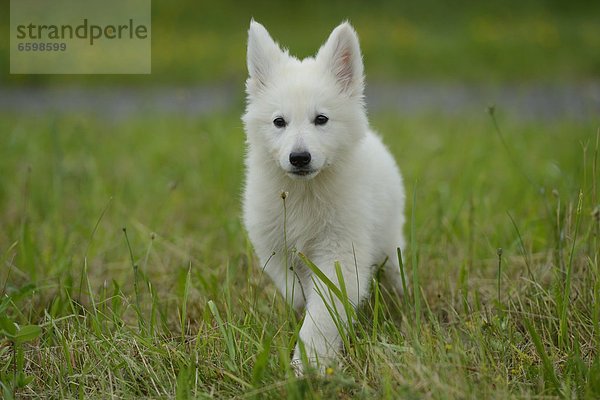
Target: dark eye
<point x="279" y="122"/>
<point x="321" y="119"/>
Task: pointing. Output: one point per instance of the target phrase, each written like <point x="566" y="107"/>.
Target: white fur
<point x="347" y="207"/>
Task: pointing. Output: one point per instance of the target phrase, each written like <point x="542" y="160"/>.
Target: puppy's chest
<point x="302" y="224"/>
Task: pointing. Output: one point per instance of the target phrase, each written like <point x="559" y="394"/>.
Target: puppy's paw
<point x="319" y="365"/>
<point x="297" y="367"/>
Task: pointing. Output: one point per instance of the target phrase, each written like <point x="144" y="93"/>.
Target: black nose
<point x="300" y="159"/>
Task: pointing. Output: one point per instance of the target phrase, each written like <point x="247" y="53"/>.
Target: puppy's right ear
<point x="263" y="54"/>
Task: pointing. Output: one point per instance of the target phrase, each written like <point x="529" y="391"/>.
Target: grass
<point x="177" y="307"/>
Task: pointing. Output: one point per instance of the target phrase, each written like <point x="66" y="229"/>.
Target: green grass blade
<point x="330" y="285"/>
<point x="28" y="333"/>
<point x="134" y="266"/>
<point x="499" y="280"/>
<point x="415" y="270"/>
<point x="348" y="308"/>
<point x="376" y="307"/>
<point x="186" y="292"/>
<point x="549" y="374"/>
<point x="522" y="246"/>
<point x="4" y="257"/>
<point x="224" y="331"/>
<point x="562" y="338"/>
<point x="260" y="365"/>
<point x="404" y="289"/>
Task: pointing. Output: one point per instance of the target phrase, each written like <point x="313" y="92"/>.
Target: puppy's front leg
<point x="319" y="332"/>
<point x="326" y="319"/>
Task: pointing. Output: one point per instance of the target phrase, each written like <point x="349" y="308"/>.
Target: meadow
<point x="127" y="274"/>
<point x="125" y="271"/>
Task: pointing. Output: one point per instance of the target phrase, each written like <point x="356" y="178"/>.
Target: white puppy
<point x="309" y="141"/>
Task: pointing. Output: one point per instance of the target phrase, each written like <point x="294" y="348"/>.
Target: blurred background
<point x="536" y="57"/>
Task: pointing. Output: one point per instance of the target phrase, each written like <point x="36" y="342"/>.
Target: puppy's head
<point x="304" y="114"/>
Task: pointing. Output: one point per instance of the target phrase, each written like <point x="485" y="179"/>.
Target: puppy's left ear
<point x="341" y="56"/>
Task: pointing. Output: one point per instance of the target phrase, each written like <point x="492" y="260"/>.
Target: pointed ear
<point x="263" y="53"/>
<point x="341" y="56"/>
